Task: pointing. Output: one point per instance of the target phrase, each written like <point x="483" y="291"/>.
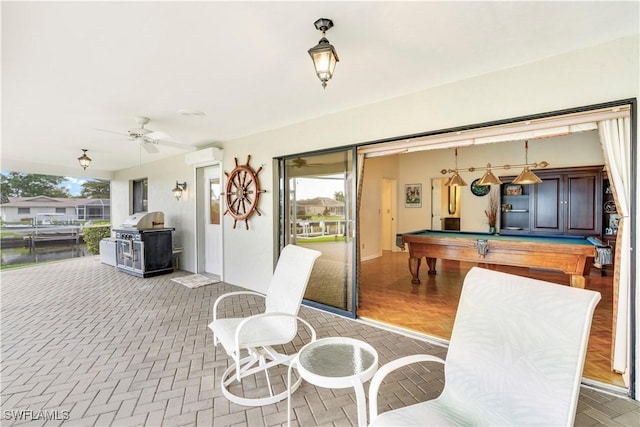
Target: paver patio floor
<point x="90" y="346"/>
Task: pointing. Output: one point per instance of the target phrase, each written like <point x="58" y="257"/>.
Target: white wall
<point x="162" y="176"/>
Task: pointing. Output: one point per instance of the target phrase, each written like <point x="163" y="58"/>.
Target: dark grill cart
<point x="144" y="246"/>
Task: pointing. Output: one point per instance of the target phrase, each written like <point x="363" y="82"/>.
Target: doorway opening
<point x="386" y="292"/>
<point x="209" y="221"/>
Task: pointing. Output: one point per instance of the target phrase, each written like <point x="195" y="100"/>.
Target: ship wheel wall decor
<point x="243" y="192"/>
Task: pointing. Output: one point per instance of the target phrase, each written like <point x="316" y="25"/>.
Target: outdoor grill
<point x="144" y="245"/>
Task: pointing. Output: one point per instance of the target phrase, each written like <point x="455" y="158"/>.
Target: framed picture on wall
<point x="413" y="195"/>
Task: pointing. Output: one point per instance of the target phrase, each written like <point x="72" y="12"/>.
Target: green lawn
<point x="320" y="239"/>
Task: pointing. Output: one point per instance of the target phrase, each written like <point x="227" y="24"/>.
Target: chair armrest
<point x="261" y="316"/>
<point x="385" y="370"/>
<point x="231" y="294"/>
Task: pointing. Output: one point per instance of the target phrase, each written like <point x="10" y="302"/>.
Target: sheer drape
<point x="615" y="136"/>
<point x="360" y="180"/>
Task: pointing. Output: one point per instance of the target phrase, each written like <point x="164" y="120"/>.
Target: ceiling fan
<point x="299" y="162"/>
<point x="149" y="139"/>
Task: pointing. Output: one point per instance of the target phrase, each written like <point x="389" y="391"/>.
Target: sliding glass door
<point x="317" y="210"/>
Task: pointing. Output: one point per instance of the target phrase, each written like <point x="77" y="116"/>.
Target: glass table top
<point x="336" y="359"/>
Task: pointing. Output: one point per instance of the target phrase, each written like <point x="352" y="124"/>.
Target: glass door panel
<point x="317" y="211"/>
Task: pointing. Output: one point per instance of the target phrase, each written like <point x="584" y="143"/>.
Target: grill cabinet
<point x="144" y="246"/>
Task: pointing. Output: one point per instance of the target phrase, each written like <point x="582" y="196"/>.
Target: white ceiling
<point x="70" y="68"/>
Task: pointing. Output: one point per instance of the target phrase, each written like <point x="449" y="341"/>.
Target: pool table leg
<point x="431" y="262"/>
<point x="414" y="269"/>
<point x="577" y="281"/>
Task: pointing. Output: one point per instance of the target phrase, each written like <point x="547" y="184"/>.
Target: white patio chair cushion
<point x="515" y="357"/>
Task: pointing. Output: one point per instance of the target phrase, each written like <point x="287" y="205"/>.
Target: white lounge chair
<point x="515" y="357"/>
<point x="256" y="334"/>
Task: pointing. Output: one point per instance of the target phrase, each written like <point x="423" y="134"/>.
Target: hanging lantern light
<point x="84" y="160"/>
<point x="323" y="54"/>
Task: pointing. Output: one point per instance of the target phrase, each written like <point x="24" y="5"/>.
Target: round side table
<point x="336" y="362"/>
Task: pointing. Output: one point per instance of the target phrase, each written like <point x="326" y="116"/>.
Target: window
<point x="24" y="210"/>
<point x="61" y="210"/>
<point x="139" y="195"/>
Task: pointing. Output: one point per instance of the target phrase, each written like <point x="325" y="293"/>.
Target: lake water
<point x="13" y="256"/>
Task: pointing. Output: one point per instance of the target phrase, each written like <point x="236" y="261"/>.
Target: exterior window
<point x="61" y="210"/>
<point x="139" y="195"/>
<point x="24" y="210"/>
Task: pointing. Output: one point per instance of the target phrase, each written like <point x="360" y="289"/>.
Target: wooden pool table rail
<point x="572" y="259"/>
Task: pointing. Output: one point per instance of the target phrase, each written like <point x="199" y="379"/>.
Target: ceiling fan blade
<point x="110" y="131"/>
<point x="149" y="147"/>
<point x="162" y="138"/>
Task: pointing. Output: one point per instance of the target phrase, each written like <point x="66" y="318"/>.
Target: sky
<point x="309" y="188"/>
<point x="74" y="185"/>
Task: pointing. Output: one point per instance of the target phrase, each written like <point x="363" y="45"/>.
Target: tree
<point x="98" y="189"/>
<point x="339" y="196"/>
<point x="19" y="184"/>
<point x="5" y="189"/>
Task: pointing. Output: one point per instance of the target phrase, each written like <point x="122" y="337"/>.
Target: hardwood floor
<point x="387" y="295"/>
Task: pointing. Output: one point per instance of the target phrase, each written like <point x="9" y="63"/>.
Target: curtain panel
<point x="615" y="136"/>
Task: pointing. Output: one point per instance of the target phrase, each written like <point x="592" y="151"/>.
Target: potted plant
<point x="492" y="211"/>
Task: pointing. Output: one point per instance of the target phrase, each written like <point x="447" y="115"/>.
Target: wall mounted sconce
<point x="323" y="54"/>
<point x="179" y="188"/>
<point x="525" y="177"/>
<point x="84" y="160"/>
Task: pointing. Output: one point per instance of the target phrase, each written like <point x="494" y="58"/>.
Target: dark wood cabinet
<point x="567" y="202"/>
<point x="548" y="215"/>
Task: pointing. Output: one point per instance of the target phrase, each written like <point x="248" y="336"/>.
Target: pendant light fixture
<point x="489" y="178"/>
<point x="526" y="176"/>
<point x="455" y="180"/>
<point x="323" y="54"/>
<point x="84" y="160"/>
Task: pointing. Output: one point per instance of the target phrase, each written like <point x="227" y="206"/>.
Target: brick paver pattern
<point x="86" y="345"/>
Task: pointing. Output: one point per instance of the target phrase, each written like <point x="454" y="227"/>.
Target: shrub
<point x="93" y="235"/>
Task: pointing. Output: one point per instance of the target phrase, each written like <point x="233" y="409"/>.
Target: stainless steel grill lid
<point x="144" y="221"/>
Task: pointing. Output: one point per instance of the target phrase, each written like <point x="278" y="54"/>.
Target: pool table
<point x="571" y="255"/>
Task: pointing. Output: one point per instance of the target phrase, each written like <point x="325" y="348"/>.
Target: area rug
<point x="194" y="280"/>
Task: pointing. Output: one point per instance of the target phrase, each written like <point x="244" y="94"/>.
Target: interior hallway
<point x="387" y="295"/>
